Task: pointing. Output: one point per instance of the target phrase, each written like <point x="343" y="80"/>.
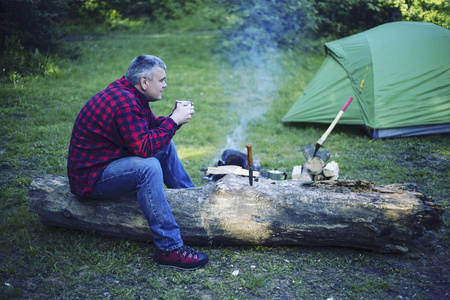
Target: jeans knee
<point x="151" y="169"/>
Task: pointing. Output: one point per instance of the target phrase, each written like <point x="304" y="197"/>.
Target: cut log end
<point x="314" y="165"/>
<point x="315" y="169"/>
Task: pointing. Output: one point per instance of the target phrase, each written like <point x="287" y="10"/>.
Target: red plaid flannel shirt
<point x="117" y="122"/>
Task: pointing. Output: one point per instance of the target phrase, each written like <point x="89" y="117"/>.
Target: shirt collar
<point x="142" y="98"/>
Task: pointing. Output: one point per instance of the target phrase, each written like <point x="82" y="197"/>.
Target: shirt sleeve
<point x="139" y="138"/>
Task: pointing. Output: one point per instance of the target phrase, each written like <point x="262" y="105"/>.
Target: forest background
<point x="32" y="32"/>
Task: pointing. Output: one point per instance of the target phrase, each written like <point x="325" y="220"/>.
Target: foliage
<point x="29" y="28"/>
<point x="260" y="26"/>
<point x="339" y="18"/>
<point x="264" y="25"/>
<point x="153" y="14"/>
<point x="34" y="23"/>
<point x="434" y="11"/>
<point x="19" y="63"/>
<point x="29" y="36"/>
<point x="105" y="14"/>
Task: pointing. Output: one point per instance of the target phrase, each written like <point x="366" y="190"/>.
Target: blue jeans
<point x="147" y="176"/>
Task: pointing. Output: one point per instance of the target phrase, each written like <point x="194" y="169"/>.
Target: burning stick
<point x="325" y="135"/>
<point x="250" y="163"/>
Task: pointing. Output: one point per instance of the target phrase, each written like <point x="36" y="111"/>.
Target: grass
<point x="234" y="105"/>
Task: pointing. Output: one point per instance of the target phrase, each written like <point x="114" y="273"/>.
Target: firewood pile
<point x="316" y="168"/>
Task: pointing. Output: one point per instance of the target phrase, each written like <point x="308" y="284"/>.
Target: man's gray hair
<point x="143" y="65"/>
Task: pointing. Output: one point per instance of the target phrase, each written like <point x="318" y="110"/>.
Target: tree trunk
<point x="355" y="214"/>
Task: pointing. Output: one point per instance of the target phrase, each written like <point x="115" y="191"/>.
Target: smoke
<point x="251" y="44"/>
<point x="255" y="94"/>
<point x="254" y="87"/>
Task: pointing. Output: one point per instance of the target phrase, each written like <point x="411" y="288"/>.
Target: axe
<point x="325" y="135"/>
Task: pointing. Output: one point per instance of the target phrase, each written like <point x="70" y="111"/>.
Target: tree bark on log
<point x="356" y="214"/>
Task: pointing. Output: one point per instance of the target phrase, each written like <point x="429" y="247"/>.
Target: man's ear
<point x="143" y="82"/>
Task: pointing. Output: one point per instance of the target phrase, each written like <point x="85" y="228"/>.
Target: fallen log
<point x="356" y="214"/>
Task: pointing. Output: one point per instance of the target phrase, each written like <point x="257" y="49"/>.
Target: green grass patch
<point x="235" y="104"/>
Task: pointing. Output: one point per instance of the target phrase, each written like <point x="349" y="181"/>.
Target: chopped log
<point x="314" y="166"/>
<point x="356" y="214"/>
<point x="305" y="176"/>
<point x="297" y="172"/>
<point x="229" y="169"/>
<point x="331" y="170"/>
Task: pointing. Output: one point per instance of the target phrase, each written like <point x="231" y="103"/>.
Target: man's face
<point x="154" y="88"/>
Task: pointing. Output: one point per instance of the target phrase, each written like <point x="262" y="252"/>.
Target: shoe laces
<point x="186" y="251"/>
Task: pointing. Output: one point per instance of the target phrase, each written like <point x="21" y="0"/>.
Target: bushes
<point x="434" y="11"/>
<point x="339" y="18"/>
<point x="261" y="26"/>
<point x="17" y="62"/>
<point x="265" y="24"/>
<point x="34" y="22"/>
<point x="285" y="24"/>
<point x="193" y="15"/>
<point x="248" y="25"/>
<point x="28" y="28"/>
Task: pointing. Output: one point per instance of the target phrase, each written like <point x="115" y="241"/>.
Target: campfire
<point x="237" y="162"/>
<point x="233" y="162"/>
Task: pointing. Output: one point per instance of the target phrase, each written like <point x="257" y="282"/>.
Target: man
<point x="119" y="146"/>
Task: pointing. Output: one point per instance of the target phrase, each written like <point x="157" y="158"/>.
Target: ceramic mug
<point x="277" y="175"/>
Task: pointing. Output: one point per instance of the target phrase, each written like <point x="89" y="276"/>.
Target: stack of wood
<point x="315" y="168"/>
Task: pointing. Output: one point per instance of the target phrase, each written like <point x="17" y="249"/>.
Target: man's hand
<point x="182" y="113"/>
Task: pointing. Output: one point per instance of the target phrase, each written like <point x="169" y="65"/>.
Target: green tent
<point x="405" y="71"/>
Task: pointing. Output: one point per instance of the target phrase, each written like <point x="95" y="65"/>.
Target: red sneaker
<point x="183" y="258"/>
